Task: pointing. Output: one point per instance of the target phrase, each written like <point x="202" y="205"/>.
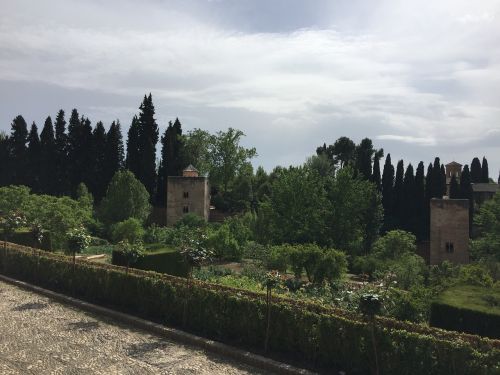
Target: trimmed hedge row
<point x="462" y="319"/>
<point x="169" y="262"/>
<point x="320" y="339"/>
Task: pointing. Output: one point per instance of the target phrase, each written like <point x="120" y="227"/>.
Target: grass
<point x="158" y="248"/>
<point x="476" y="298"/>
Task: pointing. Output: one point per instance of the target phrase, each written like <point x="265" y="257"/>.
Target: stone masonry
<point x="449" y="237"/>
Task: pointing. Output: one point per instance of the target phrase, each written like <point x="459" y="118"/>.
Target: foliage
<point x="394" y="244"/>
<point x="77" y="240"/>
<point x="328" y="339"/>
<point x="129" y="230"/>
<point x="158" y="234"/>
<point x="191" y="220"/>
<point x="474" y="274"/>
<point x="487" y="219"/>
<point x="126" y="197"/>
<point x="224" y="244"/>
<point x="370" y="304"/>
<point x="193" y="247"/>
<point x="131" y="251"/>
<point x="12" y="221"/>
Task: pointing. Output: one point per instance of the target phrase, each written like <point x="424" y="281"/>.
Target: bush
<point x="168" y="261"/>
<point x="277" y="258"/>
<point x="191" y="220"/>
<point x="312" y="334"/>
<point x="130" y="230"/>
<point x="157" y="234"/>
<point x="224" y="244"/>
<point x="474" y="274"/>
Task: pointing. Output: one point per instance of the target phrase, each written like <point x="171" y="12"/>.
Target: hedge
<point x="169" y="262"/>
<point x="462" y="319"/>
<point x="320" y="337"/>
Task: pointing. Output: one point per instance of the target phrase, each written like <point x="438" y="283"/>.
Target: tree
<point x="130" y="230"/>
<point x="399" y="198"/>
<point x="466" y="192"/>
<point x="18" y="151"/>
<point x="148" y="138"/>
<point x="444" y="189"/>
<point x="376" y="176"/>
<point x="454" y="188"/>
<point x="77" y="240"/>
<point x="132" y="252"/>
<point x="364" y="154"/>
<point x="126" y="197"/>
<point x="475" y="171"/>
<point x="343" y="151"/>
<point x="409" y="192"/>
<point x="48" y="158"/>
<point x="487" y="219"/>
<point x="437" y="180"/>
<point x="34" y="154"/>
<point x="133" y="160"/>
<point x="321" y="164"/>
<point x="227" y="157"/>
<point x="61" y="183"/>
<point x="196" y="150"/>
<point x="113" y="160"/>
<point x="79" y="150"/>
<point x="485" y="175"/>
<point x="395" y="244"/>
<point x="98" y="181"/>
<point x="388" y="191"/>
<point x="420" y="202"/>
<point x="12" y="221"/>
<point x="4" y="159"/>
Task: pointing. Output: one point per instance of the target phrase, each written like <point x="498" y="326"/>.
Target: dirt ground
<point x="41" y="336"/>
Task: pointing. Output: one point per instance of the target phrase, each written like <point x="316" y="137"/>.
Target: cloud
<point x="418" y="74"/>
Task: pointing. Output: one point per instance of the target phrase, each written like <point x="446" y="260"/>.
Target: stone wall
<point x="449" y="237"/>
<point x="187" y="195"/>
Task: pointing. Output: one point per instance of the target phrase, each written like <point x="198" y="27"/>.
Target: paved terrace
<point x="41" y="336"/>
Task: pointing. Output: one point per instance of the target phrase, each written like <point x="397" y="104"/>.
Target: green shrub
<point x="130" y="230"/>
<point x="168" y="261"/>
<point x="277" y="258"/>
<point x="191" y="220"/>
<point x="157" y="234"/>
<point x="474" y="274"/>
<point x="224" y="245"/>
<point x="308" y="333"/>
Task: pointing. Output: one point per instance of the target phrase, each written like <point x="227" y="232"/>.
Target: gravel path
<point x="41" y="336"/>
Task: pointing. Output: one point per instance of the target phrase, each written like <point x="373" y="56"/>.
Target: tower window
<point x="185" y="209"/>
<point x="450" y="248"/>
<point x="186" y="194"/>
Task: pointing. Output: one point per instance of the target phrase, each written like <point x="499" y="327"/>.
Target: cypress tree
<point x="133" y="162"/>
<point x="113" y="153"/>
<point x="4" y="159"/>
<point x="429" y="184"/>
<point x="48" y="158"/>
<point x="364" y="154"/>
<point x="409" y="202"/>
<point x="388" y="192"/>
<point x="485" y="174"/>
<point x="98" y="183"/>
<point x="33" y="175"/>
<point x="376" y="177"/>
<point x="148" y="138"/>
<point x="161" y="188"/>
<point x="466" y="191"/>
<point x="475" y="171"/>
<point x="61" y="155"/>
<point x="444" y="190"/>
<point x="86" y="156"/>
<point x="454" y="188"/>
<point x="74" y="162"/>
<point x="18" y="151"/>
<point x="420" y="201"/>
<point x="172" y="149"/>
<point x="399" y="198"/>
<point x="437" y="177"/>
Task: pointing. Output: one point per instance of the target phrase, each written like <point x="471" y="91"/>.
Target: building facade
<point x="189" y="193"/>
<point x="449" y="237"/>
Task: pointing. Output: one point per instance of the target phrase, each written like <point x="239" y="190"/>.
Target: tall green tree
<point x="437" y="180"/>
<point x="376" y="176"/>
<point x="19" y="151"/>
<point x="343" y="151"/>
<point x="79" y="150"/>
<point x="61" y="170"/>
<point x="48" y="158"/>
<point x="475" y="171"/>
<point x="388" y="192"/>
<point x="444" y="189"/>
<point x="113" y="161"/>
<point x="34" y="154"/>
<point x="364" y="155"/>
<point x="409" y="217"/>
<point x="196" y="149"/>
<point x="148" y="138"/>
<point x="420" y="201"/>
<point x="4" y="159"/>
<point x="97" y="183"/>
<point x="485" y="174"/>
<point x="466" y="192"/>
<point x="428" y="196"/>
<point x="454" y="188"/>
<point x="133" y="160"/>
<point x="399" y="197"/>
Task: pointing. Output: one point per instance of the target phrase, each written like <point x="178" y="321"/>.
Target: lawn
<point x="476" y="298"/>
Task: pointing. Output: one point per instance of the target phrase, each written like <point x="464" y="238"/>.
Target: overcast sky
<point x="420" y="78"/>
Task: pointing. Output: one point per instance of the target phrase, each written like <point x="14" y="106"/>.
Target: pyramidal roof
<point x="454" y="163"/>
<point x="190" y="168"/>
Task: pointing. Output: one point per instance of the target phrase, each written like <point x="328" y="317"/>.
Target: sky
<point x="421" y="78"/>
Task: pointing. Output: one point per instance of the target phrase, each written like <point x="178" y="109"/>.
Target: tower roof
<point x="190" y="168"/>
<point x="453" y="163"/>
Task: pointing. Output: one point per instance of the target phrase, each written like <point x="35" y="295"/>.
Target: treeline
<point x="406" y="192"/>
<point x="64" y="154"/>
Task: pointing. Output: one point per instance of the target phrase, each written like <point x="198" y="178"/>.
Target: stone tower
<point x="189" y="193"/>
<point x="449" y="231"/>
